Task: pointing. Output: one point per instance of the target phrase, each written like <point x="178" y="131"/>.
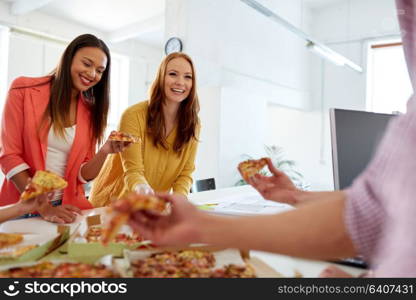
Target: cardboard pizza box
<point x="222" y="256"/>
<point x="33" y="247"/>
<point x="78" y="246"/>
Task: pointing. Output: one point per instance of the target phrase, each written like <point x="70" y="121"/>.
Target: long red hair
<point x="187" y="112"/>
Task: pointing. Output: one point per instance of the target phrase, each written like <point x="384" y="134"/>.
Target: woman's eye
<point x="87" y="64"/>
<point x="172" y="74"/>
<point x="188" y="77"/>
<point x="100" y="71"/>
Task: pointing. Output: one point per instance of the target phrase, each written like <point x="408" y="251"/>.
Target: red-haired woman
<point x="168" y="126"/>
<point x="54" y="123"/>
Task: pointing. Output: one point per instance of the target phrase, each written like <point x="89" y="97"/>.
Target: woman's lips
<point x="85" y="81"/>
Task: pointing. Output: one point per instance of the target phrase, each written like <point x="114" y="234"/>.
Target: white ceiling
<point x="120" y="19"/>
<point x="105" y="15"/>
<point x="316" y="4"/>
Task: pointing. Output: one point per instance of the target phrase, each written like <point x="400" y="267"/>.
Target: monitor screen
<point x="355" y="136"/>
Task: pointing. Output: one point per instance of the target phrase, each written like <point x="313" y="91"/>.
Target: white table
<point x="285" y="265"/>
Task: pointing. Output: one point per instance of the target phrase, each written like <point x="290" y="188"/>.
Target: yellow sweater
<point x="144" y="163"/>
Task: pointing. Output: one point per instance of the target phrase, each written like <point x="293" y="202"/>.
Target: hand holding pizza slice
<point x="123" y="208"/>
<point x="251" y="167"/>
<point x="43" y="182"/>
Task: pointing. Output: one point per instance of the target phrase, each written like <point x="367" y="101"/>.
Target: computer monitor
<point x="355" y="136"/>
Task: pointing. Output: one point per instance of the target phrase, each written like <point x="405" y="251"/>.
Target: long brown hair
<point x="187" y="112"/>
<point x="98" y="96"/>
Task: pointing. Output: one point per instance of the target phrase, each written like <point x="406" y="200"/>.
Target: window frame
<point x="377" y="44"/>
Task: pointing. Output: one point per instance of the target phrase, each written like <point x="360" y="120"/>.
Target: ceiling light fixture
<point x="313" y="45"/>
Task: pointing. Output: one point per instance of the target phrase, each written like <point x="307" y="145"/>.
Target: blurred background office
<point x="268" y="70"/>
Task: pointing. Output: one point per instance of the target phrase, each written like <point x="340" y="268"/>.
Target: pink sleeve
<point x="396" y="252"/>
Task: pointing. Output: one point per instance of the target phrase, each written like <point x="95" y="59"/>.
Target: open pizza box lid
<point x="78" y="246"/>
<point x="222" y="257"/>
<point x="34" y="246"/>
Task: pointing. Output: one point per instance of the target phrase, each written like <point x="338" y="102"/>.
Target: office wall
<point x="249" y="61"/>
<point x="346" y="26"/>
<point x="274" y="83"/>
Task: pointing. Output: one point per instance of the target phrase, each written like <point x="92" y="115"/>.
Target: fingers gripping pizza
<point x="251" y="167"/>
<point x="43" y="182"/>
<point x="132" y="203"/>
<point x="123" y="137"/>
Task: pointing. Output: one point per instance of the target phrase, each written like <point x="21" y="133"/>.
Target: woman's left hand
<point x="111" y="146"/>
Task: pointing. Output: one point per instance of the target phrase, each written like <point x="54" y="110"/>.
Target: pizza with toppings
<point x="62" y="270"/>
<point x="9" y="239"/>
<point x="251" y="167"/>
<point x="234" y="271"/>
<point x="123" y="137"/>
<point x="94" y="234"/>
<point x="175" y="264"/>
<point x="43" y="182"/>
<point x="132" y="203"/>
<point x="186" y="264"/>
<point x="42" y="270"/>
<point x="82" y="270"/>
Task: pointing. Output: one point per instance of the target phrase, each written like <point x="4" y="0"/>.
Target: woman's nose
<point x="91" y="73"/>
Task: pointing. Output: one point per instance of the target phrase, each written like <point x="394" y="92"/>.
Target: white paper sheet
<point x="245" y="204"/>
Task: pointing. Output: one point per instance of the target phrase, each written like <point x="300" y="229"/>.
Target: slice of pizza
<point x="112" y="228"/>
<point x="251" y="167"/>
<point x="43" y="182"/>
<point x="146" y="202"/>
<point x="123" y="137"/>
<point x="9" y="239"/>
<point x="132" y="203"/>
<point x="16" y="251"/>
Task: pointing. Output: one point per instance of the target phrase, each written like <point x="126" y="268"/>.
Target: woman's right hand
<point x="142" y="188"/>
<point x="180" y="227"/>
<point x="277" y="187"/>
<point x="59" y="214"/>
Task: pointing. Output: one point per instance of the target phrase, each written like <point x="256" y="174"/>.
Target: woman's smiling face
<point x="178" y="80"/>
<point x="87" y="68"/>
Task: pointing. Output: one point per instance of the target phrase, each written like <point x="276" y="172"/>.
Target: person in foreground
<point x="374" y="217"/>
<point x="168" y="127"/>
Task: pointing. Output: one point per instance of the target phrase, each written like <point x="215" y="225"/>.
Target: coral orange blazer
<point x="21" y="140"/>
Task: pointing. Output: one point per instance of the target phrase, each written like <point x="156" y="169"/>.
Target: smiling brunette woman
<point x="168" y="126"/>
<point x="54" y="123"/>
